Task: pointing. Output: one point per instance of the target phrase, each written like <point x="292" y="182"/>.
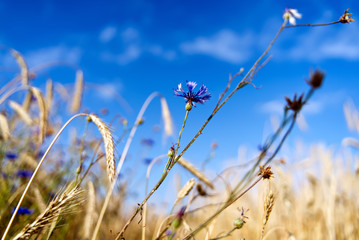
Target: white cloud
<point x="159" y="51"/>
<point x="107" y="34"/>
<point x="129" y="34"/>
<point x="56" y="53"/>
<point x="320" y="44"/>
<point x="131" y="53"/>
<point x="226" y="45"/>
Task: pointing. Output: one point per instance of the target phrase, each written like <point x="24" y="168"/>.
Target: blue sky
<point x="137" y="47"/>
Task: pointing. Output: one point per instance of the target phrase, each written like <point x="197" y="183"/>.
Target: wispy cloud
<point x="133" y="47"/>
<point x="225" y="45"/>
<point x="130" y="54"/>
<point x="56" y="53"/>
<point x="107" y="34"/>
<point x="321" y="44"/>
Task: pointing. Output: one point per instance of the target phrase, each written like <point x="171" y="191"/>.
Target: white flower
<point x="291" y="14"/>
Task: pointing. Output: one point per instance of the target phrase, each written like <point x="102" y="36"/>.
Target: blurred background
<point x="129" y="49"/>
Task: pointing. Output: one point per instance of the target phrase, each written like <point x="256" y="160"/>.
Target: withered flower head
<point x="295" y="104"/>
<point x="266" y="173"/>
<point x="346" y="17"/>
<point x="316" y="79"/>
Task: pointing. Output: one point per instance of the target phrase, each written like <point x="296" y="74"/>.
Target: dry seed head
<point x="4" y="127"/>
<point x="186" y="189"/>
<point x="77" y="98"/>
<point x="166" y="115"/>
<point x="21" y="112"/>
<point x="268" y="206"/>
<point x="195" y="172"/>
<point x="60" y="205"/>
<point x="42" y="111"/>
<point x="23" y="66"/>
<point x="346" y="17"/>
<point x="109" y="145"/>
<point x="266" y="173"/>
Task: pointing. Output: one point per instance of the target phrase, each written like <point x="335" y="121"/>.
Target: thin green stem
<point x="228" y="203"/>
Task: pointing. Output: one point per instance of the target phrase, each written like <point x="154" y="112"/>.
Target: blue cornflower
<point x="23" y="211"/>
<point x="193" y="97"/>
<point x="147" y="161"/>
<point x="148" y="142"/>
<point x="24" y="173"/>
<point x="11" y="155"/>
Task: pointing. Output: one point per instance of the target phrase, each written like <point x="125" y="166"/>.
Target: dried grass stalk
<point x="49" y="93"/>
<point x="4" y="127"/>
<point x="166" y="115"/>
<point x="109" y="145"/>
<point x="23" y="66"/>
<point x="90" y="212"/>
<point x="61" y="204"/>
<point x="195" y="172"/>
<point x="77" y="98"/>
<point x="21" y="112"/>
<point x="42" y="112"/>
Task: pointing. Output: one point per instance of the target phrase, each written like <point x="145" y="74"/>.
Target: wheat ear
<point x="21" y="112"/>
<point x="268" y="207"/>
<point x="187" y="165"/>
<point x="23" y="66"/>
<point x="77" y="98"/>
<point x="4" y="127"/>
<point x="109" y="145"/>
<point x="42" y="112"/>
<point x="59" y="205"/>
<point x="166" y="115"/>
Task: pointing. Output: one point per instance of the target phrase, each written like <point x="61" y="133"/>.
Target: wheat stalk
<point x="79" y="85"/>
<point x="109" y="145"/>
<point x="21" y="112"/>
<point x="195" y="172"/>
<point x="61" y="204"/>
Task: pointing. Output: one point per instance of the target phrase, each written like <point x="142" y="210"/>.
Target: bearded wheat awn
<point x="109" y="145"/>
